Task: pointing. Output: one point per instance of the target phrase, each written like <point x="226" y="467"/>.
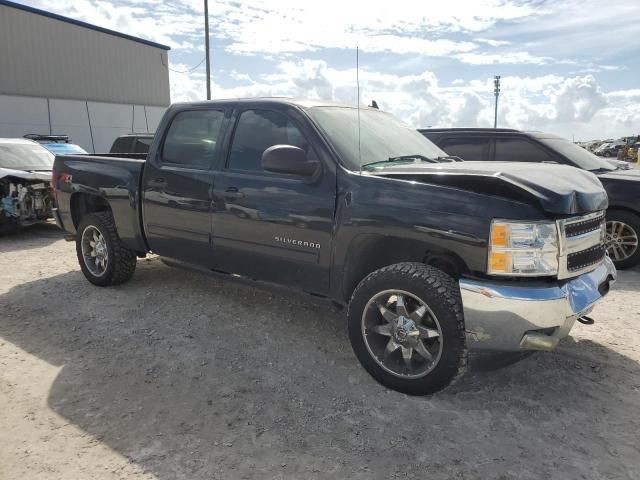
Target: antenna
<point x="358" y="104"/>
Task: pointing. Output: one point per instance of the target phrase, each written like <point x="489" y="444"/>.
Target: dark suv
<point x="506" y="145"/>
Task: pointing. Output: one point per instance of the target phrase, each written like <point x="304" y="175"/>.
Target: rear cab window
<point x="192" y="139"/>
<point x="122" y="145"/>
<point x="142" y="145"/>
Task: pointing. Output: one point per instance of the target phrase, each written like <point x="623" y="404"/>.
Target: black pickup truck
<point x="431" y="256"/>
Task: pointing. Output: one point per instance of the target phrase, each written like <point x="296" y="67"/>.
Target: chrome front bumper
<point x="511" y="316"/>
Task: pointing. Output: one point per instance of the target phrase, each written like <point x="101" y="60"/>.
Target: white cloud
<point x="567" y="106"/>
<point x="633" y="93"/>
<point x="502" y="58"/>
<point x="493" y="43"/>
<point x="548" y="37"/>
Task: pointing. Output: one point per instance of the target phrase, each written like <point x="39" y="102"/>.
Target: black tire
<point x="631" y="220"/>
<point x="441" y="294"/>
<point x="607" y="154"/>
<point x="121" y="261"/>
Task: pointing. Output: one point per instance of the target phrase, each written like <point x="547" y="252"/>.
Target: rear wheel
<point x="104" y="260"/>
<point x="622" y="238"/>
<point x="407" y="329"/>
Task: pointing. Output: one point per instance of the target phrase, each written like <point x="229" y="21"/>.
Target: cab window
<point x="257" y="130"/>
<point x="192" y="137"/>
<point x="467" y="147"/>
<point x="520" y="150"/>
<point x="121" y="145"/>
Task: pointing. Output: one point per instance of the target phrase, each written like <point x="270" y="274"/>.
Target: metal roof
<point x="72" y="21"/>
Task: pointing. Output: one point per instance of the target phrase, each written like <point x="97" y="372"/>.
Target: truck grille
<point x="581" y="244"/>
<point x="585" y="258"/>
<point x="584" y="226"/>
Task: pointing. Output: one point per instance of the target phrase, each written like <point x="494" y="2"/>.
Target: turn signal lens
<point x="499" y="235"/>
<point x="498" y="262"/>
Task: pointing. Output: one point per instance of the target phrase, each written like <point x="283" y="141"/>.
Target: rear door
<point x="269" y="226"/>
<point x="177" y="185"/>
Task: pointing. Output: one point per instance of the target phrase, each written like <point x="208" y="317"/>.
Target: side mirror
<point x="288" y="159"/>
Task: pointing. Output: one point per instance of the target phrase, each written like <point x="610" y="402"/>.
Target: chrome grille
<point x="585" y="258"/>
<point x="581" y="244"/>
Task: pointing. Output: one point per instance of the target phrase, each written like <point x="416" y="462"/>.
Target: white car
<point x="25" y="174"/>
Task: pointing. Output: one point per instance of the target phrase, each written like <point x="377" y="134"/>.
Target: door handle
<point x="233" y="192"/>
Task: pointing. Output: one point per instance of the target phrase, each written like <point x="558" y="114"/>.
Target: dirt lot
<point x="176" y="375"/>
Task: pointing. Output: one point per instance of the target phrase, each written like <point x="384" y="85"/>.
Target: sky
<point x="570" y="67"/>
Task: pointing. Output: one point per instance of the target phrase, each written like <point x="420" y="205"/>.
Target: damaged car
<point x="25" y="174"/>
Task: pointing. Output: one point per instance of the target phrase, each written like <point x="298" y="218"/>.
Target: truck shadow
<point x="25" y="238"/>
<point x="192" y="377"/>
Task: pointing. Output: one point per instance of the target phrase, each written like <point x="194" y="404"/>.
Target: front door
<point x="269" y="226"/>
<point x="177" y="187"/>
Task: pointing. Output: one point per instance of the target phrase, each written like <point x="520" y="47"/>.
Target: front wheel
<point x="406" y="327"/>
<point x="622" y="238"/>
<point x="104" y="260"/>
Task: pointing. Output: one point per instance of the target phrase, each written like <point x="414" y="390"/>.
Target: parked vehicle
<point x="132" y="143"/>
<point x="622" y="186"/>
<point x="431" y="258"/>
<point x="57" y="144"/>
<point x="609" y="149"/>
<point x="25" y="194"/>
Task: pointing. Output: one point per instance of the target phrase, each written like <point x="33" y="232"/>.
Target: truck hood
<point x="558" y="189"/>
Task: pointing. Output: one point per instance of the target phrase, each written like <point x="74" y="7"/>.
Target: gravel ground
<point x="178" y="375"/>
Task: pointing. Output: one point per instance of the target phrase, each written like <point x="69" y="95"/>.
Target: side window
<point x="258" y="130"/>
<point x="191" y="139"/>
<point x="467" y="147"/>
<point x="121" y="145"/>
<point x="142" y="145"/>
<point x="520" y="150"/>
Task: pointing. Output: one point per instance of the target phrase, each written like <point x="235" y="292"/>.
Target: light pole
<point x="496" y="91"/>
<point x="206" y="46"/>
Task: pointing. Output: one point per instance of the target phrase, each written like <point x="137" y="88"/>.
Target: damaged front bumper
<point x="510" y="316"/>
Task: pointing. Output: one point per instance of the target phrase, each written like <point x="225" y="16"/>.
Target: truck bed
<point x="115" y="179"/>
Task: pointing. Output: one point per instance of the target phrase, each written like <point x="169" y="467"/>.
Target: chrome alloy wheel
<point x="621" y="240"/>
<point x="402" y="334"/>
<point x="94" y="251"/>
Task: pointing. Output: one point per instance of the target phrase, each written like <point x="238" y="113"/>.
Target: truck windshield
<point x="25" y="156"/>
<point x="579" y="156"/>
<point x="383" y="138"/>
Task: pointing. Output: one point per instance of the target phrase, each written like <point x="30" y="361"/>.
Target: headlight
<point x="524" y="249"/>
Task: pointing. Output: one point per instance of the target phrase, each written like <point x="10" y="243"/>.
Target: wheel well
<point x="373" y="252"/>
<point x="84" y="203"/>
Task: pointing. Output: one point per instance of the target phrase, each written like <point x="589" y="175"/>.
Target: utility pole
<point x="496" y="91"/>
<point x="206" y="46"/>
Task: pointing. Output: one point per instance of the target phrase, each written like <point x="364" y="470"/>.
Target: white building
<point x="63" y="76"/>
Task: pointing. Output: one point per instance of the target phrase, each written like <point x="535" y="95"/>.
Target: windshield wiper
<point x="602" y="170"/>
<point x="400" y="159"/>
